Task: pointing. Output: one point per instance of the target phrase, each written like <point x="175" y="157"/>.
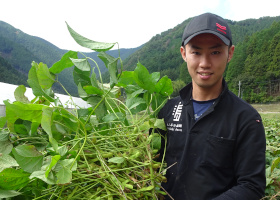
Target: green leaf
<point x="275" y="163"/>
<point x="7" y="161"/>
<point x="92" y="90"/>
<point x="87" y="43"/>
<point x="19" y="94"/>
<point x="41" y="175"/>
<point x="64" y="62"/>
<point x="106" y="58"/>
<point x="70" y="122"/>
<point x="82" y="93"/>
<point x="12" y="179"/>
<point x="144" y="79"/>
<point x="81" y="77"/>
<point x="134" y="102"/>
<point x="29" y="112"/>
<point x="64" y="176"/>
<point x="34" y="82"/>
<point x="8" y="193"/>
<point x="143" y="189"/>
<point x="46" y="121"/>
<point x="81" y="64"/>
<point x="157" y="101"/>
<point x="53" y="143"/>
<point x="116" y="160"/>
<point x="156" y="141"/>
<point x="112" y="64"/>
<point x="28" y="158"/>
<point x="113" y="71"/>
<point x="20" y="128"/>
<point x="3" y="121"/>
<point x="135" y="93"/>
<point x="4" y="135"/>
<point x="129" y="89"/>
<point x="66" y="163"/>
<point x="164" y="86"/>
<point x="45" y="79"/>
<point x="5" y="147"/>
<point x="145" y="126"/>
<point x="159" y="123"/>
<point x="93" y="79"/>
<point x="114" y="116"/>
<point x="34" y="127"/>
<point x="101" y="110"/>
<point x="126" y="78"/>
<point x="155" y="76"/>
<point x="54" y="160"/>
<point x="64" y="170"/>
<point x="62" y="150"/>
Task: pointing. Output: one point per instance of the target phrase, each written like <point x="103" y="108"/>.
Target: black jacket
<point x="220" y="156"/>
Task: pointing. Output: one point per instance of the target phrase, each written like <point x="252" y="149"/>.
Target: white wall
<point x="7" y="93"/>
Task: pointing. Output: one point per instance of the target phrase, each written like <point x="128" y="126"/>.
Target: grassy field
<point x="274" y="107"/>
<point x="268" y="111"/>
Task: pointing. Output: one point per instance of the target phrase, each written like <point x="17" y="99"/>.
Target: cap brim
<point x="223" y="38"/>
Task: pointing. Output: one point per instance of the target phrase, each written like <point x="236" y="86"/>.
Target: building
<point x="7" y="93"/>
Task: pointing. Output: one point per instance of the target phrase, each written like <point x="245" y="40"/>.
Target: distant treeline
<point x="255" y="63"/>
<point x="256" y="59"/>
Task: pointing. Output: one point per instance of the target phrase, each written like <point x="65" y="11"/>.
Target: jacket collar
<point x="186" y="93"/>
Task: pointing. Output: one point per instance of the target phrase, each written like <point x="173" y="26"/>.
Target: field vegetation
<point x="106" y="151"/>
<point x="271" y="119"/>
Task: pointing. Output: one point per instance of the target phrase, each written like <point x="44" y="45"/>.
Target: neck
<point x="205" y="94"/>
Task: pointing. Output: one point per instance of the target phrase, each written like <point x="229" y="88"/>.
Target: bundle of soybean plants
<point x="106" y="150"/>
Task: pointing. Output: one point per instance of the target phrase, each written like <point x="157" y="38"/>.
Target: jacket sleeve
<point x="249" y="163"/>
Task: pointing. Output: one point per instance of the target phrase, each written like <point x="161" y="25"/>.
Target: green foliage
<point x="162" y="52"/>
<point x="10" y="75"/>
<point x="18" y="50"/>
<point x="177" y="86"/>
<point x="254" y="56"/>
<point x="272" y="129"/>
<point x="103" y="151"/>
<point x="256" y="63"/>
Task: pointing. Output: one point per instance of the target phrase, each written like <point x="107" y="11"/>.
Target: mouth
<point x="205" y="75"/>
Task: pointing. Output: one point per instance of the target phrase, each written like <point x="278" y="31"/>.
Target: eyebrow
<point x="213" y="47"/>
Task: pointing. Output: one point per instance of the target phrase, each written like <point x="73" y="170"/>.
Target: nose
<point x="205" y="61"/>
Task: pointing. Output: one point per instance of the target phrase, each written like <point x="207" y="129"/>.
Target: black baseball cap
<point x="207" y="23"/>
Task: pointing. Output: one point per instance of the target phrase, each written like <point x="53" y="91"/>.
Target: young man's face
<point x="206" y="56"/>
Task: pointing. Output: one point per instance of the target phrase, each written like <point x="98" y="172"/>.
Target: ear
<point x="230" y="53"/>
<point x="183" y="53"/>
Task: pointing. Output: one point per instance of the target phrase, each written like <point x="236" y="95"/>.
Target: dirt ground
<point x="267" y="108"/>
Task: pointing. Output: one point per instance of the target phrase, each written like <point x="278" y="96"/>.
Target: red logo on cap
<point x="221" y="28"/>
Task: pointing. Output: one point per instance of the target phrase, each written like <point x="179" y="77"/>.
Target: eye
<point x="195" y="53"/>
<point x="216" y="52"/>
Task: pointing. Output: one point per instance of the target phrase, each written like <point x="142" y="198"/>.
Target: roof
<point x="7" y="93"/>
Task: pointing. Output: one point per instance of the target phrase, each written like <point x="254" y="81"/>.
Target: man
<point x="215" y="141"/>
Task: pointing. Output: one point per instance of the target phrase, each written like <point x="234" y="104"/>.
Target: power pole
<point x="239" y="88"/>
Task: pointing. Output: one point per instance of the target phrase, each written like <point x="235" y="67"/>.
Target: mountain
<point x="18" y="50"/>
<point x="162" y="52"/>
<point x="256" y="66"/>
<point x="252" y="37"/>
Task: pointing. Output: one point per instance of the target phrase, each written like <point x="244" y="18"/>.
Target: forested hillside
<point x="258" y="58"/>
<point x="255" y="63"/>
<point x="254" y="38"/>
<point x="10" y="75"/>
<point x="18" y="50"/>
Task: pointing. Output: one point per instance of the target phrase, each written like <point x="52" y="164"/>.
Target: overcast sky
<point x="130" y="23"/>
